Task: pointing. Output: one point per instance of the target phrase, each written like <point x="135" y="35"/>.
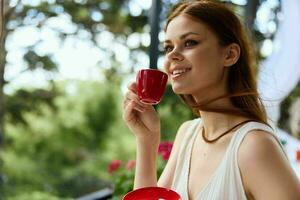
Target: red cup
<point x="151" y="84"/>
<point x="152" y="193"/>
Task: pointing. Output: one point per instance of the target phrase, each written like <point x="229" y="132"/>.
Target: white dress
<point x="226" y="182"/>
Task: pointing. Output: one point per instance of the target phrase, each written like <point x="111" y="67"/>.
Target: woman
<point x="229" y="152"/>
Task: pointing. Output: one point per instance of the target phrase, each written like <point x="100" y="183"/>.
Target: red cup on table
<point x="151" y="85"/>
<point x="152" y="193"/>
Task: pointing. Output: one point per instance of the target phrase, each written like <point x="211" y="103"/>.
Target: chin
<point x="180" y="90"/>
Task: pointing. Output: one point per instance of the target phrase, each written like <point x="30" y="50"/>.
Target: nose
<point x="175" y="56"/>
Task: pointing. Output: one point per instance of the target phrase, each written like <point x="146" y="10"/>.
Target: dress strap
<point x="244" y="130"/>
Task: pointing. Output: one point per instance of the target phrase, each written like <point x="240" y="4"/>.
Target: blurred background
<point x="64" y="66"/>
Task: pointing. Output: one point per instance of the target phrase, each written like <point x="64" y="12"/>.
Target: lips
<point x="175" y="73"/>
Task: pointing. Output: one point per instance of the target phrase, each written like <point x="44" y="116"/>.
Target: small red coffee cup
<point x="152" y="193"/>
<point x="151" y="84"/>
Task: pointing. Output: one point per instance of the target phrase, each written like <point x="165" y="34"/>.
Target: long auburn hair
<point x="241" y="83"/>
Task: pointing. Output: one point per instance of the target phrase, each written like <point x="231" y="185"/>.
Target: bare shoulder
<point x="183" y="128"/>
<point x="181" y="132"/>
<point x="257" y="144"/>
<point x="265" y="170"/>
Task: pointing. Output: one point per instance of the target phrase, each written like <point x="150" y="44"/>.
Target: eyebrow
<point x="183" y="36"/>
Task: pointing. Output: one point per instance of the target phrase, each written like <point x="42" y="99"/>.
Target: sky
<point x="79" y="59"/>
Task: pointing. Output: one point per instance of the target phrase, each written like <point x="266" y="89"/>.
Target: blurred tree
<point x="2" y="63"/>
<point x="285" y="106"/>
<point x="48" y="141"/>
<point x="61" y="151"/>
<point x="89" y="16"/>
<point x="27" y="101"/>
<point x="251" y="9"/>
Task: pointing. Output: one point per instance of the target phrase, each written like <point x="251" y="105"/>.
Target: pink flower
<point x="165" y="146"/>
<point x="166" y="155"/>
<point x="165" y="149"/>
<point x="169" y="146"/>
<point x="114" y="165"/>
<point x="130" y="164"/>
<point x="161" y="148"/>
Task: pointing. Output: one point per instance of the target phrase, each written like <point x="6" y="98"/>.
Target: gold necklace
<point x="214" y="140"/>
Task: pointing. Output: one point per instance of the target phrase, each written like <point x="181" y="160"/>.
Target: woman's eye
<point x="168" y="49"/>
<point x="190" y="43"/>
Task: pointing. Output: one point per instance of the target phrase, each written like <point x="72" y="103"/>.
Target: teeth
<point x="180" y="71"/>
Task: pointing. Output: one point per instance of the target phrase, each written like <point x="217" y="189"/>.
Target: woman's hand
<point x="141" y="119"/>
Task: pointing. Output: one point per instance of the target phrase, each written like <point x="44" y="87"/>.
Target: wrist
<point x="151" y="140"/>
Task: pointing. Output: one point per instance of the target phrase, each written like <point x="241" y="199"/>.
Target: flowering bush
<point x="123" y="174"/>
<point x="164" y="150"/>
<point x="114" y="165"/>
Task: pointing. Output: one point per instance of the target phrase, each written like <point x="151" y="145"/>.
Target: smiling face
<point x="195" y="60"/>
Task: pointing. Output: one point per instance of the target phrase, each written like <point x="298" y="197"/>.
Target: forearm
<point x="145" y="172"/>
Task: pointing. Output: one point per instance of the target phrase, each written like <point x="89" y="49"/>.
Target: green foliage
<point x="111" y="15"/>
<point x="123" y="181"/>
<point x="60" y="150"/>
<point x="123" y="178"/>
<point x="114" y="15"/>
<point x="36" y="61"/>
<point x="26" y="100"/>
<point x="284" y="108"/>
<point x="36" y="196"/>
<point x="173" y="113"/>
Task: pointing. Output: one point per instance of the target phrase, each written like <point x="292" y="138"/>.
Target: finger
<point x="139" y="108"/>
<point x="127" y="114"/>
<point x="132" y="87"/>
<point x="132" y="96"/>
<point x="125" y="102"/>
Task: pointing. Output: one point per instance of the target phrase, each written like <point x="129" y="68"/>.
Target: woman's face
<point x="194" y="58"/>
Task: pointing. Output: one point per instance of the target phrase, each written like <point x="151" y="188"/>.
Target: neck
<point x="216" y="123"/>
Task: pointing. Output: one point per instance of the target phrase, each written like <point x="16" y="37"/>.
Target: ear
<point x="232" y="54"/>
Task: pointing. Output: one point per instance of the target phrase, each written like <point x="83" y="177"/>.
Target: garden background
<point x="64" y="67"/>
